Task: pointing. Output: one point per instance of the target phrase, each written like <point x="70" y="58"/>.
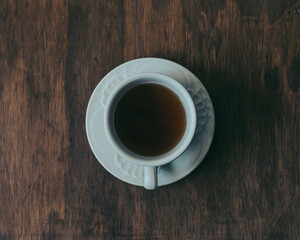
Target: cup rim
<point x="175" y="87"/>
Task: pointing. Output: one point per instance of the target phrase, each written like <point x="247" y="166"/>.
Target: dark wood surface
<point x="54" y="53"/>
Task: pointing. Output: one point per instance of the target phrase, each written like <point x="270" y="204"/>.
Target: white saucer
<point x="123" y="169"/>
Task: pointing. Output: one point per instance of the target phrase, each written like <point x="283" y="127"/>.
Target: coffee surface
<point x="149" y="120"/>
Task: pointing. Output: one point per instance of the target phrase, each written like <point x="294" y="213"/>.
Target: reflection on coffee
<point x="149" y="120"/>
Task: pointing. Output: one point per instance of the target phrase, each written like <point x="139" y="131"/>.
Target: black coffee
<point x="149" y="120"/>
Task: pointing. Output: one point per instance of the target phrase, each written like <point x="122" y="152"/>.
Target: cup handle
<point x="150" y="177"/>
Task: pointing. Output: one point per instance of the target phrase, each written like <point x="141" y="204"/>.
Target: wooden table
<point x="54" y="53"/>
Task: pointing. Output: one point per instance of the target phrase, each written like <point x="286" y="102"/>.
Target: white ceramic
<point x="150" y="163"/>
<point x="119" y="166"/>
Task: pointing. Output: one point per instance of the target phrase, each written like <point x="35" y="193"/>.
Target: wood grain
<point x="54" y="53"/>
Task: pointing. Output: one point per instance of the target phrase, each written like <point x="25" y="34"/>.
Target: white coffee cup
<point x="150" y="164"/>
